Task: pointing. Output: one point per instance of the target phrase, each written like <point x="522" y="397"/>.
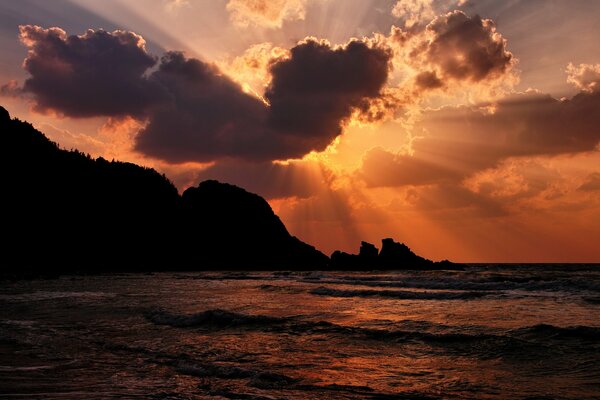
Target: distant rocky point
<point x="64" y="211"/>
<point x="393" y="255"/>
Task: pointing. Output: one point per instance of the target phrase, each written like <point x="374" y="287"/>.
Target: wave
<point x="545" y="332"/>
<point x="49" y="295"/>
<point x="281" y="289"/>
<point x="592" y="299"/>
<point x="473" y="341"/>
<point x="268" y="380"/>
<point x="221" y="320"/>
<point x="213" y="318"/>
<point x="490" y="283"/>
<point x="257" y="379"/>
<point x="399" y="294"/>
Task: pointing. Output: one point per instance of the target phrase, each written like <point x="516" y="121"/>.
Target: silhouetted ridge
<point x="66" y="211"/>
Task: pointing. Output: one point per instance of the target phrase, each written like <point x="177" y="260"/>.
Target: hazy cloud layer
<point x="384" y="168"/>
<point x="465" y="140"/>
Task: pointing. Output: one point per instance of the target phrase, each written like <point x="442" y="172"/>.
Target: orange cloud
<point x="251" y="69"/>
<point x="414" y="11"/>
<point x="585" y="77"/>
<point x="462" y="48"/>
<point x="265" y="13"/>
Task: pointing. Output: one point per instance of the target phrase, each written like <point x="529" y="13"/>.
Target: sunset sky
<point x="467" y="129"/>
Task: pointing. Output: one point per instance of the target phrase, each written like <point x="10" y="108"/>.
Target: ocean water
<point x="489" y="332"/>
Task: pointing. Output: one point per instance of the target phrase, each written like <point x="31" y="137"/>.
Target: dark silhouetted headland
<point x="64" y="211"/>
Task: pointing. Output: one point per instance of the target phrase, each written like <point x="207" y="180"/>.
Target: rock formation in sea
<point x="393" y="255"/>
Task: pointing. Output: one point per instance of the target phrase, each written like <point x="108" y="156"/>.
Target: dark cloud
<point x="97" y="73"/>
<point x="464" y="48"/>
<point x="318" y="87"/>
<point x="311" y="94"/>
<point x="193" y="111"/>
<point x="465" y="140"/>
<point x="428" y="80"/>
<point x="523" y="125"/>
<point x="206" y="117"/>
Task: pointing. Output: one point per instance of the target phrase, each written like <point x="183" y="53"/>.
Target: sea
<point x="488" y="332"/>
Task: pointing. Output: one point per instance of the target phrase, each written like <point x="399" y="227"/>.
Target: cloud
<point x="265" y="13"/>
<point x="414" y="11"/>
<point x="459" y="47"/>
<point x="318" y="87"/>
<point x="175" y="5"/>
<point x="195" y="113"/>
<point x="251" y="68"/>
<point x="465" y="140"/>
<point x="585" y="77"/>
<point x="207" y="116"/>
<point x="460" y="201"/>
<point x="311" y="94"/>
<point x="11" y="89"/>
<point x="98" y="73"/>
<point x="592" y="183"/>
<point x="524" y="124"/>
<point x="516" y="179"/>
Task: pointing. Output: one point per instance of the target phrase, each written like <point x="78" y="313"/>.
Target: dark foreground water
<point x="493" y="332"/>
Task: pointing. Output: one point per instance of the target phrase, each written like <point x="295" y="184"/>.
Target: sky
<point x="467" y="129"/>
